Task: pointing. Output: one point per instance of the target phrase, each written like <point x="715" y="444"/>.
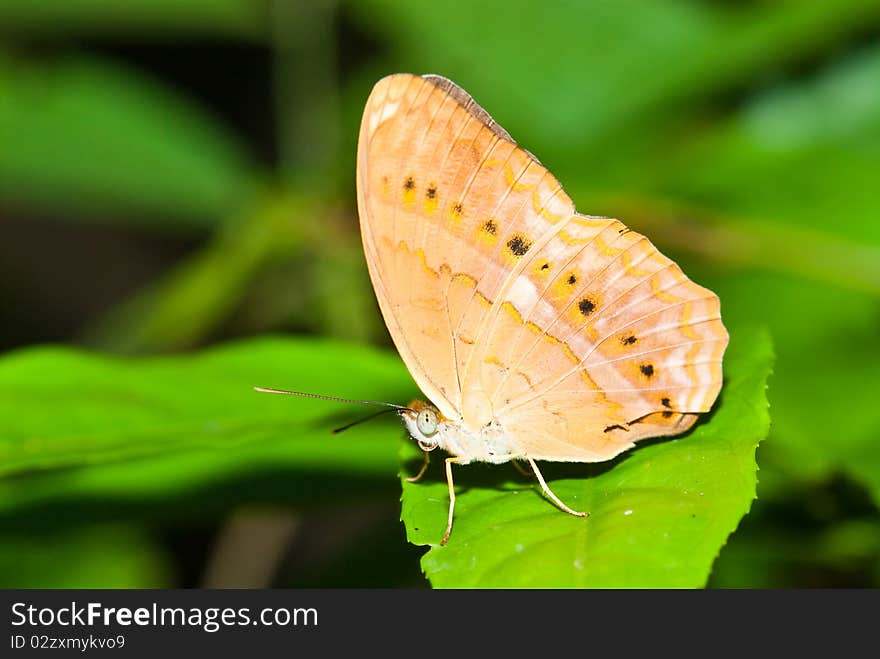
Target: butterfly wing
<point x="445" y="199"/>
<point x="573" y="332"/>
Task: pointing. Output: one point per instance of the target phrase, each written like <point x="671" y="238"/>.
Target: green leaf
<point x="85" y="136"/>
<point x="658" y="515"/>
<point x="107" y="410"/>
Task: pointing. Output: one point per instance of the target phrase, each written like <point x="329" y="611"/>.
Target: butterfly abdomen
<point x="491" y="443"/>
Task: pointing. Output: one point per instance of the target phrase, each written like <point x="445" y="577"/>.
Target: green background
<point x="178" y="224"/>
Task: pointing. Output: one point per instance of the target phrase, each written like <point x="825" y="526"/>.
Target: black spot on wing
<point x="518" y="245"/>
<point x="586" y="306"/>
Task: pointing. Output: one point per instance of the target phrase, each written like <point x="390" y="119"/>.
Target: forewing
<point x="447" y="203"/>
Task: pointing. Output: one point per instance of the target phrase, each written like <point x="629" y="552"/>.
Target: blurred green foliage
<point x="81" y="135"/>
<point x="743" y="138"/>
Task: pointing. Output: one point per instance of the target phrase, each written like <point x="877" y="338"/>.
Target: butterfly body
<point x="536" y="332"/>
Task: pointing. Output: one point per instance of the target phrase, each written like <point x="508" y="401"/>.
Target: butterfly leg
<point x="449" y="462"/>
<point x="418" y="476"/>
<point x="550" y="494"/>
<point x="521" y="469"/>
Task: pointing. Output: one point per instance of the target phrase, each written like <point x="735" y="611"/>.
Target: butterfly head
<point x="423" y="421"/>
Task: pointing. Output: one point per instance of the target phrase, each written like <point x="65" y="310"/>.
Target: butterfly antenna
<point x="370" y="417"/>
<point x="304" y="394"/>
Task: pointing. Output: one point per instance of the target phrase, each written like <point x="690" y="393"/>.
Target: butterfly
<point x="534" y="331"/>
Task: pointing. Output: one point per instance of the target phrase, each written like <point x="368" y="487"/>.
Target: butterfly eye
<point x="427" y="422"/>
